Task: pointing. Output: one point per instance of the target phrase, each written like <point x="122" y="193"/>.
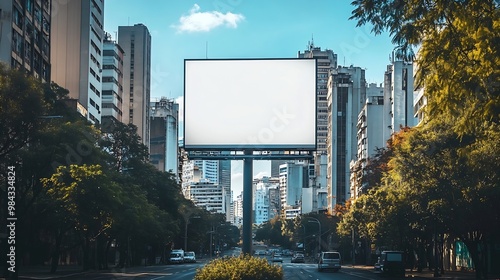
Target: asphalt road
<point x="292" y="271"/>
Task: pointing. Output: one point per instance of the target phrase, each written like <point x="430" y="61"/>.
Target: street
<point x="292" y="271"/>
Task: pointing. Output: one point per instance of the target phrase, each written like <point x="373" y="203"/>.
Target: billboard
<point x="242" y="104"/>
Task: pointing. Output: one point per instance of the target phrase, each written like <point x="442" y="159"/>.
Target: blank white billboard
<point x="238" y="104"/>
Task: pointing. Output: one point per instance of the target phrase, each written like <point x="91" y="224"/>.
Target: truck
<point x="176" y="256"/>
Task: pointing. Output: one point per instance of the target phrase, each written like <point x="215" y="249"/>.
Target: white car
<point x="190" y="257"/>
<point x="277" y="258"/>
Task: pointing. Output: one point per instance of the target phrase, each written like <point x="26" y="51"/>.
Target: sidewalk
<point x="43" y="272"/>
<point x="426" y="273"/>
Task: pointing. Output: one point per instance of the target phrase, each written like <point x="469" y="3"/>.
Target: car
<point x="329" y="260"/>
<point x="298" y="258"/>
<point x="392" y="263"/>
<point x="190" y="257"/>
<point x="277" y="258"/>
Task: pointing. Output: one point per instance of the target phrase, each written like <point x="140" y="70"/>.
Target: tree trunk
<point x="55" y="254"/>
<point x="106" y="252"/>
<point x="477" y="250"/>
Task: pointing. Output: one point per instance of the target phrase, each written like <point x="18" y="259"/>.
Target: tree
<point x="21" y="106"/>
<point x="452" y="184"/>
<point x="123" y="143"/>
<point x="88" y="199"/>
<point x="458" y="57"/>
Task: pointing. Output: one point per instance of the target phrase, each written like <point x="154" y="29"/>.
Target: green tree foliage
<point x="452" y="184"/>
<point x="123" y="143"/>
<point x="21" y="106"/>
<point x="70" y="193"/>
<point x="271" y="232"/>
<point x="459" y="56"/>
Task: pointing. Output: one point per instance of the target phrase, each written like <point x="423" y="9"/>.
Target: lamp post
<point x="186" y="230"/>
<point x="319" y="235"/>
<point x="304" y="239"/>
<point x="212" y="231"/>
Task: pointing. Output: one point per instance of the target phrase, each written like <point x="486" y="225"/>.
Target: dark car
<point x="392" y="263"/>
<point x="298" y="258"/>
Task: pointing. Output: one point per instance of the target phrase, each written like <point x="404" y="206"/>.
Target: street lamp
<point x="304" y="239"/>
<point x="319" y="235"/>
<point x="186" y="230"/>
<point x="211" y="246"/>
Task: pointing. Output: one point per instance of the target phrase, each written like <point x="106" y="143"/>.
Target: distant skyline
<point x="219" y="29"/>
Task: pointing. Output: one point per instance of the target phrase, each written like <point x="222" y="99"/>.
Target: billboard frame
<point x="255" y="147"/>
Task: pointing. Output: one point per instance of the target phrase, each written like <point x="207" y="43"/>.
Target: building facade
<point x="112" y="79"/>
<point x="206" y="195"/>
<point x="399" y="97"/>
<point x="164" y="135"/>
<point x="370" y="136"/>
<point x="346" y="90"/>
<point x="136" y="43"/>
<point x="76" y="52"/>
<point x="326" y="60"/>
<point x="25" y="31"/>
<point x="293" y="178"/>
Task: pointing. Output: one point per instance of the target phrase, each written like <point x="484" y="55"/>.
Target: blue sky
<point x="245" y="29"/>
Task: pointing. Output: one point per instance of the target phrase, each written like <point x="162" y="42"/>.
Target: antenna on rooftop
<point x="206" y="49"/>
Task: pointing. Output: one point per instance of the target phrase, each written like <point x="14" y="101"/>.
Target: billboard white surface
<point x="237" y="104"/>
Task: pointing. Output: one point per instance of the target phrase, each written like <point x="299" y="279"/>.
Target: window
<point x="38" y="14"/>
<point x="17" y="42"/>
<point x="27" y="51"/>
<point x="17" y="18"/>
<point x="46" y="26"/>
<point x="29" y="6"/>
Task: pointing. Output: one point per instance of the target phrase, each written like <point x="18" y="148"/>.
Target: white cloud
<point x="261" y="174"/>
<point x="197" y="21"/>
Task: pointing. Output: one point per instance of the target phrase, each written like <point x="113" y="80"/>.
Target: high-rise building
<point x="370" y="136"/>
<point x="399" y="97"/>
<point x="136" y="43"/>
<point x="326" y="60"/>
<point x="76" y="41"/>
<point x="265" y="204"/>
<point x="260" y="203"/>
<point x="25" y="31"/>
<point x="206" y="195"/>
<point x="238" y="210"/>
<point x="164" y="133"/>
<point x="224" y="177"/>
<point x="293" y="177"/>
<point x="346" y="94"/>
<point x="112" y="79"/>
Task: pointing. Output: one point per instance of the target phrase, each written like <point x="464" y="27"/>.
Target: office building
<point x="370" y="137"/>
<point x="136" y="43"/>
<point x="206" y="195"/>
<point x="293" y="177"/>
<point x="76" y="41"/>
<point x="398" y="97"/>
<point x="25" y="31"/>
<point x="112" y="79"/>
<point x="265" y="204"/>
<point x="224" y="178"/>
<point x="346" y="94"/>
<point x="238" y="210"/>
<point x="326" y="60"/>
<point x="164" y="137"/>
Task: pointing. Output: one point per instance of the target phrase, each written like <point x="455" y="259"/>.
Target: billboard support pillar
<point x="247" y="203"/>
